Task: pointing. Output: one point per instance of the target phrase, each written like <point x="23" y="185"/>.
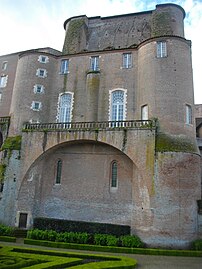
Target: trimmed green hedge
<point x="60" y="225"/>
<point x="54" y="259"/>
<point x="85" y="238"/>
<point x="145" y="251"/>
<point x="7" y="239"/>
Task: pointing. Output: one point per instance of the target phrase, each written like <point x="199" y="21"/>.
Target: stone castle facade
<point x="104" y="131"/>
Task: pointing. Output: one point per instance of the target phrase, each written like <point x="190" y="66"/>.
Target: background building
<point x="104" y="131"/>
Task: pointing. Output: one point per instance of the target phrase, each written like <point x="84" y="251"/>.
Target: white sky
<point x="31" y="24"/>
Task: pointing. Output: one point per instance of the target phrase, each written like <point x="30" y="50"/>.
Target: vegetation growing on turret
<point x="168" y="143"/>
<point x="73" y="36"/>
<point x="161" y="24"/>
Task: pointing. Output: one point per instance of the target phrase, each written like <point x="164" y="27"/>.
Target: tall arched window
<point x="114" y="174"/>
<point x="65" y="107"/>
<point x="58" y="172"/>
<point x="117" y="105"/>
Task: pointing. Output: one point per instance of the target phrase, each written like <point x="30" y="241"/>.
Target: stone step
<point x="20" y="233"/>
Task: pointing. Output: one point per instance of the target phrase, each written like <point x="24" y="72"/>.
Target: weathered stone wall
<point x="154" y="194"/>
<point x="173" y="205"/>
<point x="165" y="86"/>
<point x="23" y="93"/>
<point x="10" y="190"/>
<point x="123" y="31"/>
<point x="5" y="102"/>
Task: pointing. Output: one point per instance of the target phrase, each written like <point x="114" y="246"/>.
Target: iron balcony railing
<point x="4" y="120"/>
<point x="85" y="126"/>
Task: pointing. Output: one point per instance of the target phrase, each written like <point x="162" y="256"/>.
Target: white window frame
<point x="188" y="114"/>
<point x="111" y="112"/>
<point x="64" y="66"/>
<point x="4" y="65"/>
<point x="58" y="118"/>
<point x="161" y="49"/>
<point x="43" y="59"/>
<point x="3" y="81"/>
<point x="127" y="60"/>
<point x="144" y="112"/>
<point x="39" y="70"/>
<point x="37" y="87"/>
<point x="33" y="106"/>
<point x="94" y="63"/>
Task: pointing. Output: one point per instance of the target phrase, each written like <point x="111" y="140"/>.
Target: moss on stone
<point x="93" y="82"/>
<point x="65" y="82"/>
<point x="161" y="24"/>
<point x="2" y="172"/>
<point x="12" y="143"/>
<point x="72" y="37"/>
<point x="168" y="143"/>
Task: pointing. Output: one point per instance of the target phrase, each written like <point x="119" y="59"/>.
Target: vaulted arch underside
<point x="84" y="191"/>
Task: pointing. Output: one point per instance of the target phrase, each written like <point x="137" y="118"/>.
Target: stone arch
<point x="84" y="192"/>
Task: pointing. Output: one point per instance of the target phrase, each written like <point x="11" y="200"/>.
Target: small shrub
<point x="6" y="230"/>
<point x="131" y="241"/>
<point x="197" y="244"/>
<point x="52" y="235"/>
<point x="100" y="239"/>
<point x="112" y="240"/>
<point x="81" y="238"/>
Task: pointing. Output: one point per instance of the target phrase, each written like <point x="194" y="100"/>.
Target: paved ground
<point x="144" y="261"/>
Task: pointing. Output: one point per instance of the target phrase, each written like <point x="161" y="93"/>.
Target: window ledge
<point x="93" y="72"/>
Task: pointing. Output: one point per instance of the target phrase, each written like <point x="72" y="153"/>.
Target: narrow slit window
<point x="114" y="174"/>
<point x="144" y="112"/>
<point x="58" y="172"/>
<point x="188" y="114"/>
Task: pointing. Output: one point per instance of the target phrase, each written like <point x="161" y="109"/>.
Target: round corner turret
<point x="168" y="19"/>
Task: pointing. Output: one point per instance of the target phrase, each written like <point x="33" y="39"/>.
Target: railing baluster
<point x="86" y="125"/>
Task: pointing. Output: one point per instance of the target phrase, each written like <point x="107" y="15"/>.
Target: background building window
<point x="58" y="172"/>
<point x="3" y="81"/>
<point x="36" y="105"/>
<point x="188" y="114"/>
<point x="38" y="88"/>
<point x="161" y="49"/>
<point x="65" y="107"/>
<point x="144" y="112"/>
<point x="64" y="67"/>
<point x="43" y="59"/>
<point x="114" y="174"/>
<point x="42" y="73"/>
<point x="94" y="63"/>
<point x="127" y="60"/>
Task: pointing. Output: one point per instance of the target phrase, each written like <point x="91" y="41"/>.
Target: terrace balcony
<point x="89" y="126"/>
